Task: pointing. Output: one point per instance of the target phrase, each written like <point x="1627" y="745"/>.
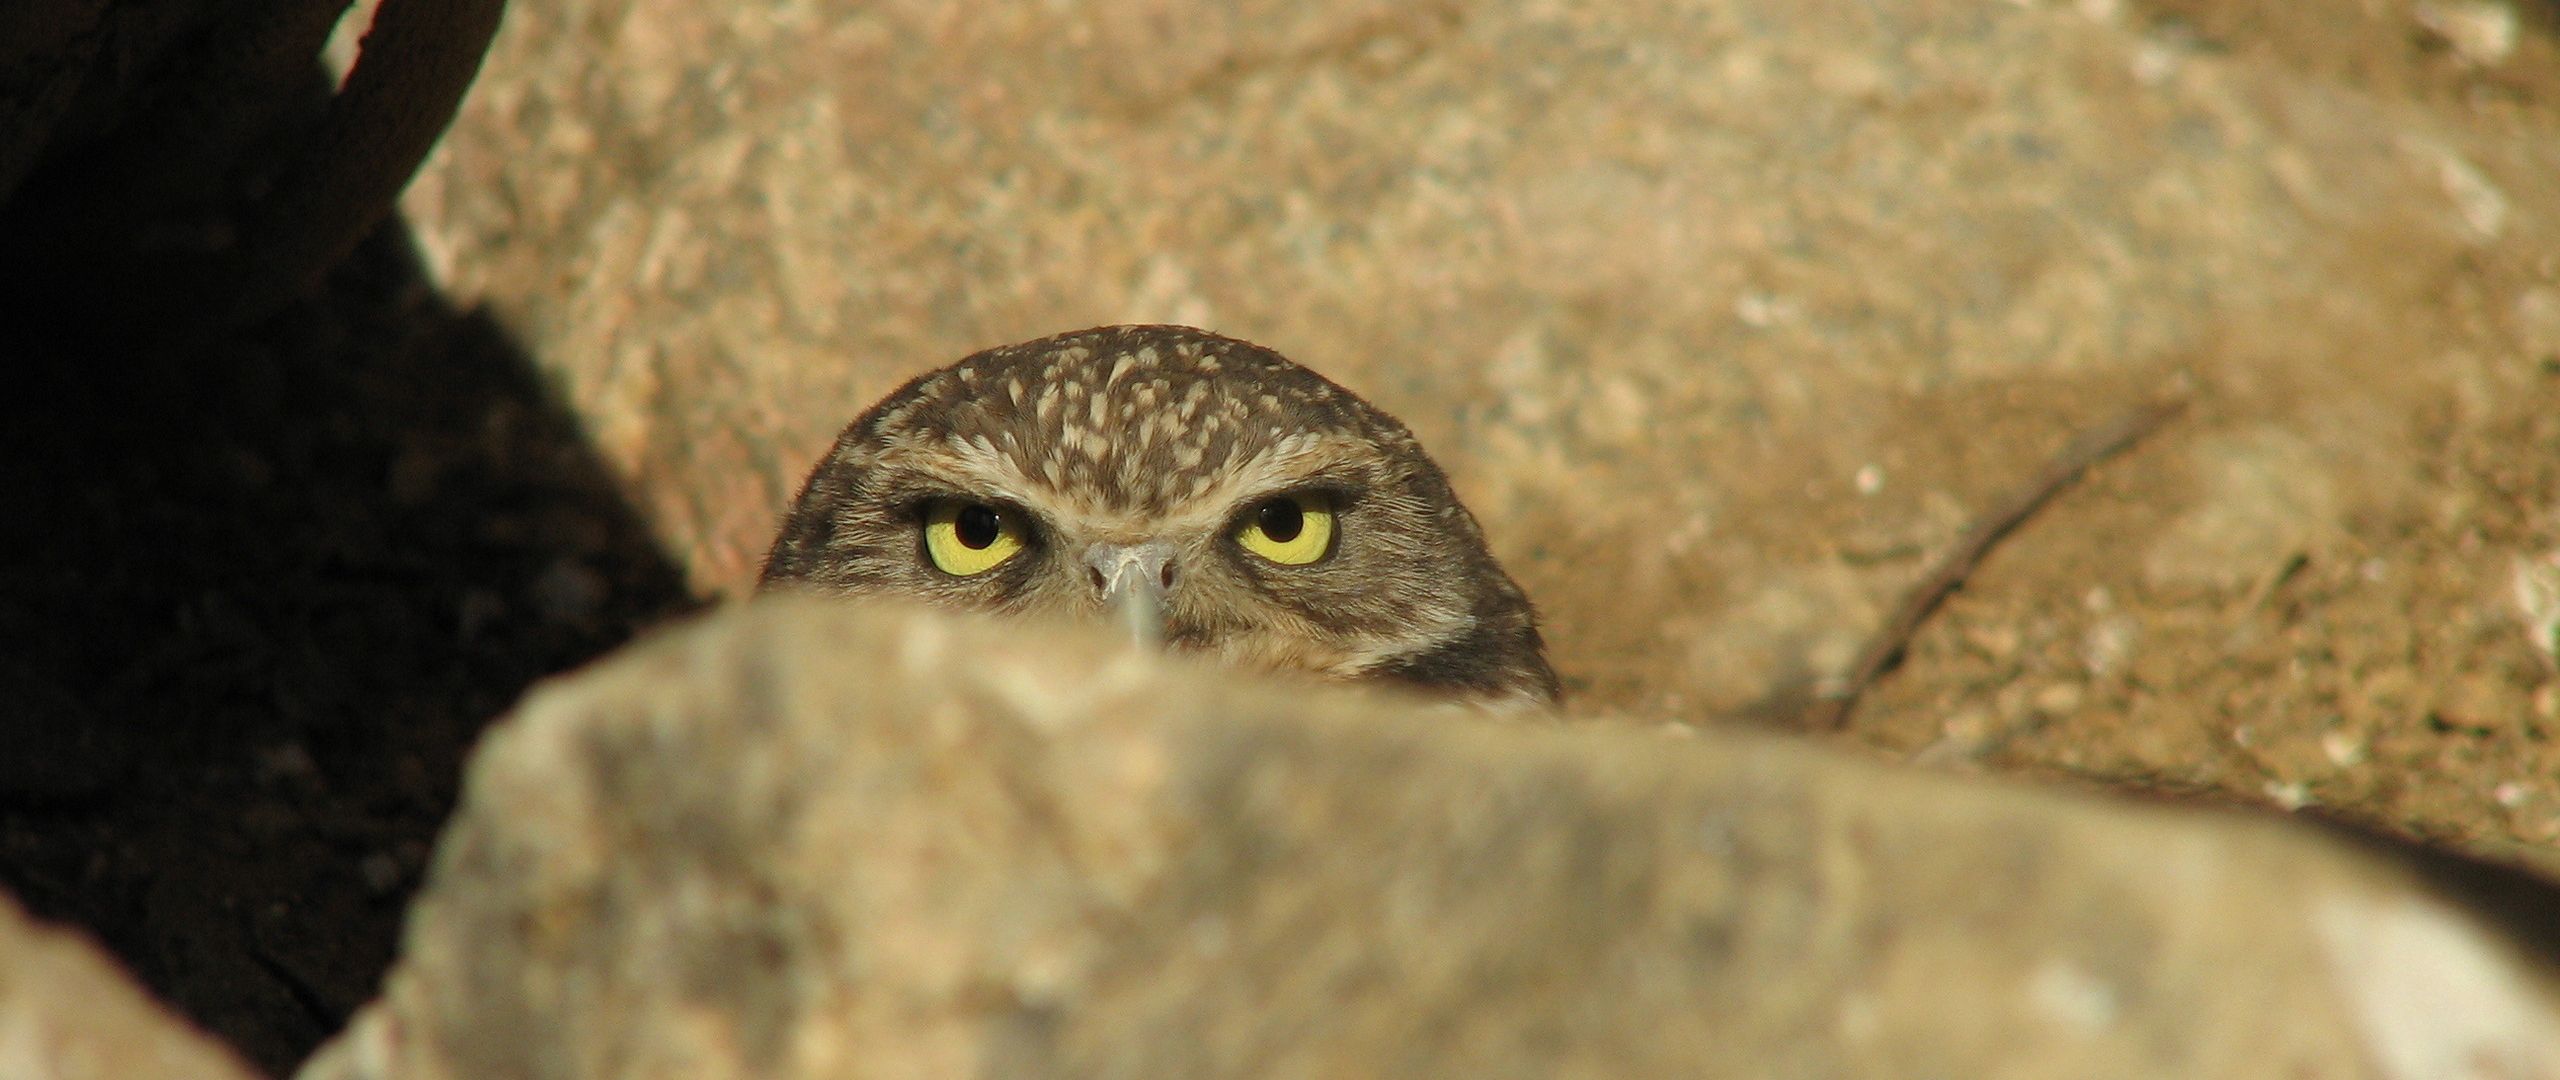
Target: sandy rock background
<point x="1724" y="317"/>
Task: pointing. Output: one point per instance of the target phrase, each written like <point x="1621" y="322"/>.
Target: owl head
<point x="1201" y="492"/>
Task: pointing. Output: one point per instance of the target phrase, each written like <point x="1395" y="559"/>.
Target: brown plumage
<point x="1208" y="492"/>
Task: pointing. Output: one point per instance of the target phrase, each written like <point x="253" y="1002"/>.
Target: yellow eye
<point x="1292" y="530"/>
<point x="965" y="539"/>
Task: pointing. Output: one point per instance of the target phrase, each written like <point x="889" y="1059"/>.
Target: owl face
<point x="1201" y="492"/>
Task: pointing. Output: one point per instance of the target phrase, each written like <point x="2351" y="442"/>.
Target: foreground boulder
<point x="803" y="840"/>
<point x="66" y="1013"/>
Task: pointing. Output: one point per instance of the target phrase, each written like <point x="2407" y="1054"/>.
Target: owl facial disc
<point x="1205" y="495"/>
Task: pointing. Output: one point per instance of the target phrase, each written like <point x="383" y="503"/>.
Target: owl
<point x="1202" y="493"/>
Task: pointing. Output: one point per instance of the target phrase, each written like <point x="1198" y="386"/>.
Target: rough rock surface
<point x="805" y="840"/>
<point x="66" y="1013"/>
<point x="1723" y="316"/>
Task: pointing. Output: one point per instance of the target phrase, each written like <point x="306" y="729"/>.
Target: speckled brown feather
<point x="1128" y="433"/>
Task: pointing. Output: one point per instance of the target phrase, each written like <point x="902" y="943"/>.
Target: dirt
<point x="2385" y="677"/>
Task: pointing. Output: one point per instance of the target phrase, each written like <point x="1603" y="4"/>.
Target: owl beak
<point x="1133" y="579"/>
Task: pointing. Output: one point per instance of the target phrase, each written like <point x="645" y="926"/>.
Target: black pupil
<point x="1280" y="519"/>
<point x="977" y="526"/>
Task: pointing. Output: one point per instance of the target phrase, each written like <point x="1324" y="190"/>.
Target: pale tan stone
<point x="68" y="1013"/>
<point x="804" y="840"/>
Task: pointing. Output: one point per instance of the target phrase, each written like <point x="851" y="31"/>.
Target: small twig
<point x="1830" y="712"/>
<point x="2275" y="581"/>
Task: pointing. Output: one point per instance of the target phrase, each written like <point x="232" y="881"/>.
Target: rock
<point x="801" y="840"/>
<point x="67" y="1013"/>
<point x="1656" y="281"/>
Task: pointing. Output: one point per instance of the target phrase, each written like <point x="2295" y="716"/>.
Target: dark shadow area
<point x="260" y="596"/>
<point x="2509" y="898"/>
<point x="2513" y="900"/>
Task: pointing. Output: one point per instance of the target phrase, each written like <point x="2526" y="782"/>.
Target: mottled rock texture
<point x="1724" y="316"/>
<point x="807" y="840"/>
<point x="67" y="1013"/>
